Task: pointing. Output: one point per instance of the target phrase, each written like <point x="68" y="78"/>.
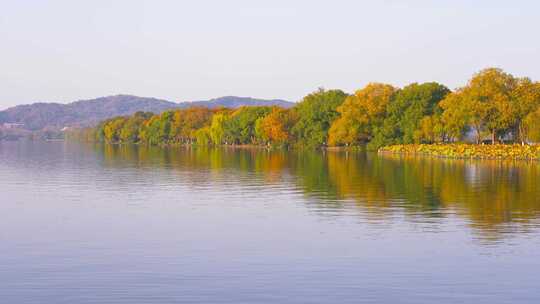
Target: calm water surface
<point x="109" y="224"/>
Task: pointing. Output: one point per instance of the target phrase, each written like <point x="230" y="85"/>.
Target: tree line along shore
<point x="493" y="107"/>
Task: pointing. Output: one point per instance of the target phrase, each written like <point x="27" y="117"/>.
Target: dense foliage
<point x="494" y="106"/>
<point x="316" y="113"/>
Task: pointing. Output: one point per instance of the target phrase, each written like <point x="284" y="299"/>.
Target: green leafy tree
<point x="239" y="128"/>
<point x="316" y="112"/>
<point x="203" y="136"/>
<point x="150" y="131"/>
<point x="410" y="106"/>
<point x="217" y="128"/>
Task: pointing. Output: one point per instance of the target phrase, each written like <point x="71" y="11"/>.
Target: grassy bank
<point x="507" y="152"/>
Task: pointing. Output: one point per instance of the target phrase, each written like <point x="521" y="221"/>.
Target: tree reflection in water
<point x="493" y="197"/>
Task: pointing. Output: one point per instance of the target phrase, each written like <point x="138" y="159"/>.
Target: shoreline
<point x="234" y="146"/>
<point x="467" y="151"/>
<point x="444" y="151"/>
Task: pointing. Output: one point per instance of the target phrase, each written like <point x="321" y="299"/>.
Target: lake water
<point x="111" y="224"/>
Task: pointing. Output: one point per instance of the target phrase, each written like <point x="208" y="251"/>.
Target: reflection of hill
<point x="488" y="194"/>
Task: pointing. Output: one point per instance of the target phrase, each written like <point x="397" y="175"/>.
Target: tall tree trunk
<point x="492" y="137"/>
<point x="521" y="134"/>
<point x="478" y="135"/>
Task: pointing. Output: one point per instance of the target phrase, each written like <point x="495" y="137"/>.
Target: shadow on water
<point x="493" y="197"/>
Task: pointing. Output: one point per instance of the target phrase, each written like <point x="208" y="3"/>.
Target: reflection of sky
<point x="378" y="189"/>
<point x="92" y="227"/>
<point x="471" y="174"/>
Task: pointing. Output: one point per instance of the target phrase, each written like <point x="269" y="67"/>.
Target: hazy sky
<point x="190" y="50"/>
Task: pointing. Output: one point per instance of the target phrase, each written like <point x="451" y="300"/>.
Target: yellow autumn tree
<point x="485" y="104"/>
<point x="186" y="122"/>
<point x="488" y="95"/>
<point x="431" y="130"/>
<point x="360" y="113"/>
<point x="275" y="127"/>
<point x="531" y="124"/>
<point x="456" y="116"/>
<point x="526" y="99"/>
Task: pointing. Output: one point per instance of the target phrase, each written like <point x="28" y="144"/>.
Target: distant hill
<point x="54" y="116"/>
<point x="235" y="102"/>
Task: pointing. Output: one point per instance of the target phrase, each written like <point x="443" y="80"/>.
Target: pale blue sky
<point x="66" y="50"/>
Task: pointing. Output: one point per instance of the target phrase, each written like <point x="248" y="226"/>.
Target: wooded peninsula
<point x="494" y="107"/>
